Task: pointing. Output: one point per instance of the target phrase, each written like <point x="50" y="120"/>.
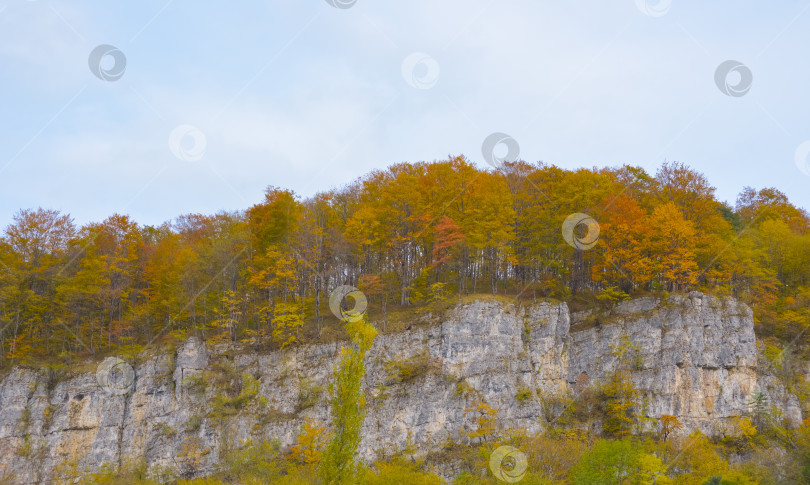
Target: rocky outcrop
<point x="692" y="356"/>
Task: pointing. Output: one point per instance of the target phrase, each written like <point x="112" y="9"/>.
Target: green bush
<point x="129" y="474"/>
<point x="523" y="395"/>
<point x="621" y="461"/>
<point x="399" y="473"/>
<point x="194" y="423"/>
<point x="464" y="389"/>
<point x="255" y="461"/>
<point x="195" y="383"/>
<point x="308" y="395"/>
<point x="413" y="368"/>
<point x="228" y="406"/>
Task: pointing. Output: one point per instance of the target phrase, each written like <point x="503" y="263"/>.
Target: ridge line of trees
<point x="408" y="235"/>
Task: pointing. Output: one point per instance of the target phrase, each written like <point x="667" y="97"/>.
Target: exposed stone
<point x="693" y="356"/>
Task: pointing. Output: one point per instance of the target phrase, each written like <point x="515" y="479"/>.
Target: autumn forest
<point x="409" y="236"/>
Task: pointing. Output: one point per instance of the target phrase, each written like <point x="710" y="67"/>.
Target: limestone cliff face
<point x="693" y="356"/>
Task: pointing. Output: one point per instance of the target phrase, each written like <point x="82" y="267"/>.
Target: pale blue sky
<point x="305" y="96"/>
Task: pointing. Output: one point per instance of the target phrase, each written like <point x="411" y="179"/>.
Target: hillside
<point x="408" y="327"/>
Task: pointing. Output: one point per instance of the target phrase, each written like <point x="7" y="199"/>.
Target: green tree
<point x="339" y="463"/>
<point x="618" y="462"/>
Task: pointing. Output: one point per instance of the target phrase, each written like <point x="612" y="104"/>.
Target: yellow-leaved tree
<point x="669" y="424"/>
<point x="307" y="450"/>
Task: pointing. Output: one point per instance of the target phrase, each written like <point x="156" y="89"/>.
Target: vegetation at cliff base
<point x="564" y="454"/>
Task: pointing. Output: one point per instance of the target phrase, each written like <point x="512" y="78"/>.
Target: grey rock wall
<point x="693" y="356"/>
